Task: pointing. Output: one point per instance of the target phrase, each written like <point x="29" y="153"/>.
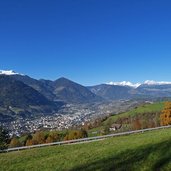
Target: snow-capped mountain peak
<point x="9" y="72"/>
<point x="152" y="82"/>
<point x="125" y="83"/>
<point x="135" y="85"/>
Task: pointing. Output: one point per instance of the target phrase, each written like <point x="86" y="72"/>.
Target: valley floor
<point x="145" y="151"/>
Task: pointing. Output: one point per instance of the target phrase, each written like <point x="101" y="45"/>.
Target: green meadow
<point x="144" y="151"/>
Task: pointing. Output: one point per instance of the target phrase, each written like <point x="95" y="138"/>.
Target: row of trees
<point x="37" y="138"/>
<point x="41" y="137"/>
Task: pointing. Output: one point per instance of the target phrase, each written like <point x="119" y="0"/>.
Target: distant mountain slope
<point x="144" y="91"/>
<point x="16" y="93"/>
<point x="112" y="92"/>
<point x="41" y="86"/>
<point x="60" y="90"/>
<point x="19" y="98"/>
<point x="154" y="90"/>
<point x="72" y="92"/>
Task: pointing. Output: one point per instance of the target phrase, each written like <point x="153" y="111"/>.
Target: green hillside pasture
<point x="148" y="108"/>
<point x="138" y="111"/>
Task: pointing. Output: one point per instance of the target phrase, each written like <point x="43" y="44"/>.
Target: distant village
<point x="68" y="117"/>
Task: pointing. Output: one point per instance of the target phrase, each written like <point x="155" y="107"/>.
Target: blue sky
<point x="88" y="41"/>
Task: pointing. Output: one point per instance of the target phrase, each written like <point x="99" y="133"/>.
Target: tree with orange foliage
<point x="38" y="138"/>
<point x="29" y="142"/>
<point x="15" y="143"/>
<point x="137" y="124"/>
<point x="165" y="117"/>
<point x="76" y="134"/>
<point x="53" y="137"/>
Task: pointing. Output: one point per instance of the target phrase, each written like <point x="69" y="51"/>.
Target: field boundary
<point x="77" y="141"/>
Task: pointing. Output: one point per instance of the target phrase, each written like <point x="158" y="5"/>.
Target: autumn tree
<point x="87" y="126"/>
<point x="53" y="137"/>
<point x="29" y="141"/>
<point x="38" y="138"/>
<point x="76" y="134"/>
<point x="165" y="117"/>
<point x="137" y="124"/>
<point x="15" y="143"/>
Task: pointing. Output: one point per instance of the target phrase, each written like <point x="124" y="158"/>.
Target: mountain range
<point x="143" y="91"/>
<point x="22" y="95"/>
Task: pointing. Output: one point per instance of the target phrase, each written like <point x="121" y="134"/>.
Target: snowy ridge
<point x="152" y="82"/>
<point x="9" y="72"/>
<point x="135" y="85"/>
<point x="125" y="83"/>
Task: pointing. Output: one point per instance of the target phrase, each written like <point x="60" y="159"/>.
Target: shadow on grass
<point x="133" y="159"/>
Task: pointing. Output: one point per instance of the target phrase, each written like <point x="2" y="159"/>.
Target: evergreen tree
<point x="4" y="138"/>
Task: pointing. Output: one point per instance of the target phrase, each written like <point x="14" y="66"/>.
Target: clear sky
<point x="88" y="41"/>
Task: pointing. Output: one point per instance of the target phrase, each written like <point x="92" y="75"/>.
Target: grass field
<point x="145" y="151"/>
<point x="156" y="107"/>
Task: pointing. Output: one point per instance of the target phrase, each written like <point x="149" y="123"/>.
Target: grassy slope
<point x="156" y="107"/>
<point x="147" y="151"/>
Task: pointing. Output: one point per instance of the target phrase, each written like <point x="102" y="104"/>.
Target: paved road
<point x="85" y="140"/>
